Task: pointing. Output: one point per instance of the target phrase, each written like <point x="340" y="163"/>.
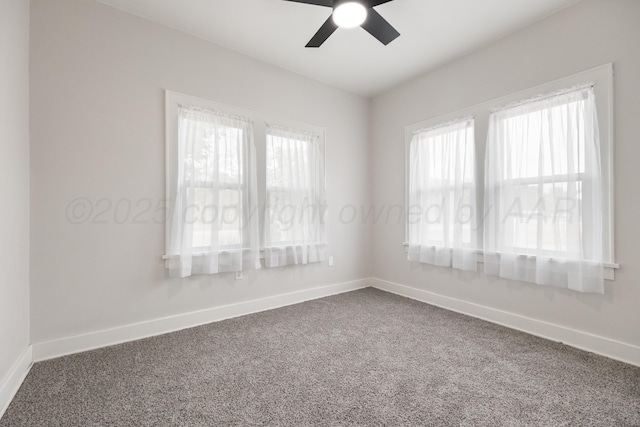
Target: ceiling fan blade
<point x="328" y="3"/>
<point x="373" y="3"/>
<point x="323" y="33"/>
<point x="379" y="28"/>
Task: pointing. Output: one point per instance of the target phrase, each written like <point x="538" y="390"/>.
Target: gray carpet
<point x="361" y="358"/>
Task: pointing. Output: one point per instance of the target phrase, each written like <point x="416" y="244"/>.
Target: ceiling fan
<point x="350" y="14"/>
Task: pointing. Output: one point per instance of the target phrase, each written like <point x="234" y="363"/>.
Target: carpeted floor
<point x="360" y="358"/>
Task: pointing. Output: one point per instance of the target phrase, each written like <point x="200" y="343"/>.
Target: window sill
<point x="609" y="267"/>
<point x="261" y="250"/>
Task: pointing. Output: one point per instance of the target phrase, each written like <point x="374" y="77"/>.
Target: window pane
<point x="216" y="153"/>
<point x="288" y="164"/>
<point x="230" y="155"/>
<point x="445" y="157"/>
<point x="225" y="214"/>
<point x="438" y="215"/>
<point x="230" y="220"/>
<point x="544" y="216"/>
<point x="545" y="142"/>
<point x="291" y="216"/>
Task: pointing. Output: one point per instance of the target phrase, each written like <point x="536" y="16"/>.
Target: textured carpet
<point x="360" y="358"/>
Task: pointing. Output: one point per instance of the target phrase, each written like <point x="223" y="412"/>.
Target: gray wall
<point x="97" y="113"/>
<point x="585" y="35"/>
<point x="14" y="182"/>
<point x="97" y="82"/>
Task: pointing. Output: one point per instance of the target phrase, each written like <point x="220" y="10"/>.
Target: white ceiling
<point x="432" y="33"/>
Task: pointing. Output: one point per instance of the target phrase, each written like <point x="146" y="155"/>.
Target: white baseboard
<point x="584" y="341"/>
<point x="13" y="380"/>
<point x="77" y="344"/>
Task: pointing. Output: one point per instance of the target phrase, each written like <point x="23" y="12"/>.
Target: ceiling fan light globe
<point x="349" y="15"/>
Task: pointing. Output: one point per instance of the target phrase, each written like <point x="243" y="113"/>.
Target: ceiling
<point x="432" y="32"/>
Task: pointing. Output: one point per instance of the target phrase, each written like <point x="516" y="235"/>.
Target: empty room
<point x="319" y="212"/>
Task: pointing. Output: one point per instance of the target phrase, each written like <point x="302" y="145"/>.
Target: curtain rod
<point x="543" y="96"/>
<point x="217" y="113"/>
<point x="465" y="119"/>
<point x="290" y="129"/>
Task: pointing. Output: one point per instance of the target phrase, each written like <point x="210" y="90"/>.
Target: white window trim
<point x="602" y="77"/>
<point x="260" y="120"/>
<point x="609" y="267"/>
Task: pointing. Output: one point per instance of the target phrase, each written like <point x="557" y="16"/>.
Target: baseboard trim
<point x="76" y="344"/>
<point x="91" y="341"/>
<point x="584" y="341"/>
<point x="13" y="380"/>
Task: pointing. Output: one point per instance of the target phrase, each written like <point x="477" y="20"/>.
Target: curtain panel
<point x="295" y="215"/>
<point x="441" y="216"/>
<point x="543" y="192"/>
<point x="214" y="225"/>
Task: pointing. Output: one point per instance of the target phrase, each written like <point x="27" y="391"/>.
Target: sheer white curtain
<point x="214" y="226"/>
<point x="441" y="217"/>
<point x="296" y="202"/>
<point x="543" y="192"/>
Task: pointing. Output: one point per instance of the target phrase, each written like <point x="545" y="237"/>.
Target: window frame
<point x="602" y="78"/>
<point x="174" y="99"/>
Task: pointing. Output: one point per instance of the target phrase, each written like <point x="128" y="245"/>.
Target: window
<point x="214" y="169"/>
<point x="442" y="199"/>
<point x="216" y="156"/>
<point x="545" y="211"/>
<point x="212" y="223"/>
<point x="295" y="214"/>
<point x="543" y="194"/>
